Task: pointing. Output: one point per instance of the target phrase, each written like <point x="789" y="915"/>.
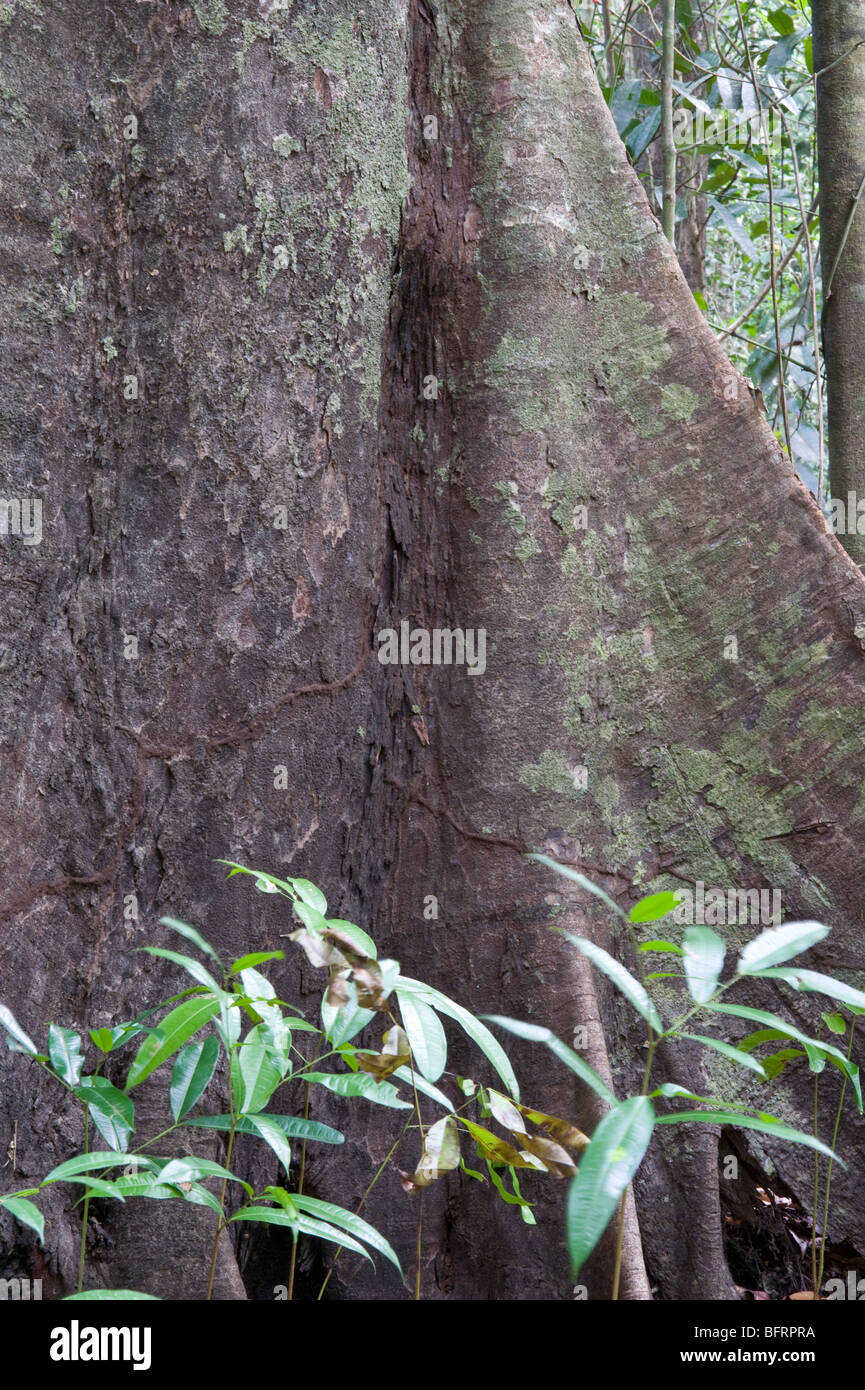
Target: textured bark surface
<point x="516" y="259"/>
<point x="839" y="33"/>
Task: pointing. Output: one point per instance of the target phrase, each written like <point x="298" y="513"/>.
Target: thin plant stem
<point x="668" y="140"/>
<point x="359" y="1206"/>
<point x="85" y="1210"/>
<point x="764" y="126"/>
<point x="829" y="1169"/>
<point x="301" y="1177"/>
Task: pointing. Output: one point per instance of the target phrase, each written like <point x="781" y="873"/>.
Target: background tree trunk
<point x="839" y="35"/>
<point x="516" y="259"/>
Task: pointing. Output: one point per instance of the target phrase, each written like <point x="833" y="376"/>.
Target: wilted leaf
<point x="441" y="1154"/>
<point x="395" y="1052"/>
<point x="498" y="1150"/>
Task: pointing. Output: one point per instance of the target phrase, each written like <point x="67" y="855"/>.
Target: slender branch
<point x="668" y="139"/>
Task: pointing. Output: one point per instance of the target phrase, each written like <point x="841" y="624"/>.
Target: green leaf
<point x="364" y="943"/>
<point x="85" y="1163"/>
<point x="64" y="1049"/>
<point x="726" y="1050"/>
<point x="835" y="1023"/>
<point x="358" y="1084"/>
<point x="576" y="877"/>
<point x="425" y="1034"/>
<point x="292" y="1126"/>
<point x="781" y="20"/>
<point x="103" y="1038"/>
<point x="14" y="1029"/>
<point x="813" y="1046"/>
<point x="308" y="893"/>
<point x="27" y="1213"/>
<point x="191" y="1169"/>
<point x="175" y="1029"/>
<point x="192" y="967"/>
<point x="347" y="1221"/>
<point x="274" y="1216"/>
<point x="109" y="1296"/>
<point x="533" y="1032"/>
<point x="255" y="1075"/>
<point x="777" y="1129"/>
<point x="775" y="1063"/>
<point x="112" y="1112"/>
<point x="191" y="935"/>
<point x="809" y="54"/>
<point x="255" y="958"/>
<point x="191" y="1074"/>
<point x="812" y="981"/>
<point x="704" y="960"/>
<point x="654" y="907"/>
<point x="607" y="1166"/>
<point x="621" y="978"/>
<point x="735" y="228"/>
<point x="762" y="1035"/>
<point x="641" y="135"/>
<point x="98" y="1187"/>
<point x="472" y="1026"/>
<point x="273" y="1135"/>
<point x="663" y="948"/>
<point x="777" y="944"/>
<point x="425" y="1087"/>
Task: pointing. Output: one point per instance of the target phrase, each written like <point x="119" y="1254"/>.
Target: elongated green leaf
<point x="661" y="948"/>
<point x="347" y="1221"/>
<point x="308" y="893"/>
<point x="733" y="1053"/>
<point x="14" y="1029"/>
<point x="273" y="1135"/>
<point x="533" y="1032"/>
<point x="762" y="1035"/>
<point x="175" y="1029"/>
<point x="112" y="1112"/>
<point x="812" y="981"/>
<point x="27" y="1213"/>
<point x="109" y="1296"/>
<point x="777" y="1130"/>
<point x="654" y="907"/>
<point x="359" y="1084"/>
<point x="425" y="1035"/>
<point x="274" y="1216"/>
<point x="190" y="1076"/>
<point x="184" y="929"/>
<point x="86" y="1163"/>
<point x="255" y="958"/>
<point x="192" y="967"/>
<point x="607" y="1166"/>
<point x="344" y="1023"/>
<point x="98" y="1187"/>
<point x="576" y="877"/>
<point x="424" y="1086"/>
<point x="292" y="1126"/>
<point x="472" y="1026"/>
<point x="255" y="1075"/>
<point x="812" y="1045"/>
<point x="191" y="1169"/>
<point x="777" y="944"/>
<point x="621" y="978"/>
<point x="361" y="940"/>
<point x="704" y="960"/>
<point x="64" y="1050"/>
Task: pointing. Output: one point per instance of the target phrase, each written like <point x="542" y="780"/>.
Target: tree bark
<point x="515" y="259"/>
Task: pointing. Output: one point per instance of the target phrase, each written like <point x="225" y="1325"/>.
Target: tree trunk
<point x="282" y="259"/>
<point x="839" y="59"/>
